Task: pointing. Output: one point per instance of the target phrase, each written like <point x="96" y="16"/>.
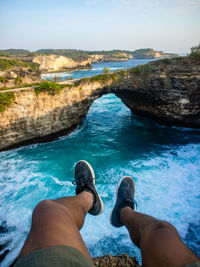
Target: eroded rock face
<point x="51" y="63"/>
<point x="33" y="117"/>
<point x="167" y="91"/>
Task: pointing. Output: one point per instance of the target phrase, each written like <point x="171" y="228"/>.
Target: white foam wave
<point x="167" y="187"/>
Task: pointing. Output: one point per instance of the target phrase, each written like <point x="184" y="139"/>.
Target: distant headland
<point x="19" y="66"/>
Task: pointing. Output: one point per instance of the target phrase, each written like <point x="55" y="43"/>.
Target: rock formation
<point x="167" y="91"/>
<point x="51" y="63"/>
<point x="117" y="56"/>
<point x="113" y="261"/>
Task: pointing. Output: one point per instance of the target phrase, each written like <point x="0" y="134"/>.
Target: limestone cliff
<point x="51" y="63"/>
<point x="167" y="91"/>
<point x="117" y="56"/>
<point x="151" y="53"/>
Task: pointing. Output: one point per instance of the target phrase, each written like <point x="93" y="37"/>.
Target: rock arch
<point x="167" y="91"/>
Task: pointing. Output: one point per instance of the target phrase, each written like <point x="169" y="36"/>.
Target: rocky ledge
<point x="167" y="91"/>
<point x="115" y="261"/>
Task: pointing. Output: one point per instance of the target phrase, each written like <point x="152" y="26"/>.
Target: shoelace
<point x="81" y="182"/>
<point x="135" y="204"/>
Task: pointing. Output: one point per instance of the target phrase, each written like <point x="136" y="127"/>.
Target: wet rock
<point x="3" y="227"/>
<point x="3" y="254"/>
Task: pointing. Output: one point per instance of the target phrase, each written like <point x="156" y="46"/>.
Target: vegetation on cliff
<point x="6" y="64"/>
<point x="195" y="52"/>
<point x="143" y="69"/>
<point x="11" y="51"/>
<point x="3" y="80"/>
<point x="101" y="78"/>
<point x="6" y="100"/>
<point x="49" y="87"/>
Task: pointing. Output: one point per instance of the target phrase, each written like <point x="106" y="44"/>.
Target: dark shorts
<point x="58" y="256"/>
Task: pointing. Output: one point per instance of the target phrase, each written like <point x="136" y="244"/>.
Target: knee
<point x="42" y="208"/>
<point x="162" y="226"/>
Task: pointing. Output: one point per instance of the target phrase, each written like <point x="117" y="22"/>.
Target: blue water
<point x="164" y="161"/>
<point x="97" y="68"/>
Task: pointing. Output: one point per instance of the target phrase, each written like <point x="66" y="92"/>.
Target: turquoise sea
<point x="97" y="68"/>
<point x="164" y="162"/>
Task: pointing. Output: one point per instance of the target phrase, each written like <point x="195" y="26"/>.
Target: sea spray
<point x="164" y="162"/>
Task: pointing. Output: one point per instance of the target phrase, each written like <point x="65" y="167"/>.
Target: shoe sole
<point x="93" y="176"/>
<point x="118" y="186"/>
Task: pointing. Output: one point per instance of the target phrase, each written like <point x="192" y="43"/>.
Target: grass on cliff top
<point x="49" y="87"/>
<point x="7" y="64"/>
<point x="142" y="70"/>
<point x="101" y="78"/>
<point x="6" y="100"/>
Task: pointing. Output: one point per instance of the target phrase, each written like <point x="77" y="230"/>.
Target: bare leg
<point x="159" y="241"/>
<point x="57" y="222"/>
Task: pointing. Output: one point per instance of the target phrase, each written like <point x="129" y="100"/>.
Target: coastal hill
<point x="95" y="56"/>
<point x="18" y="66"/>
<point x="166" y="91"/>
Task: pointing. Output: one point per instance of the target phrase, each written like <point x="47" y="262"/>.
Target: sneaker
<point x="85" y="181"/>
<point x="125" y="198"/>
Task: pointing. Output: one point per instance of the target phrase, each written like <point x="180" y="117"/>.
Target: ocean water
<point x="97" y="68"/>
<point x="164" y="162"/>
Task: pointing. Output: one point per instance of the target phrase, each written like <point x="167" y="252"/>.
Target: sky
<point x="167" y="25"/>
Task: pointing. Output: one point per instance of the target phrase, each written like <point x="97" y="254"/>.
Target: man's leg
<point x="57" y="222"/>
<point x="159" y="241"/>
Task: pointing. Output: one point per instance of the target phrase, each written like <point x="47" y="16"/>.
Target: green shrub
<point x="49" y="87"/>
<point x="114" y="76"/>
<point x="3" y="80"/>
<point x="6" y="100"/>
<point x="79" y="82"/>
<point x="122" y="72"/>
<point x="102" y="78"/>
<point x="4" y="55"/>
<point x="6" y="64"/>
<point x="142" y="70"/>
<point x="18" y="81"/>
<point x="166" y="61"/>
<point x="195" y="52"/>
